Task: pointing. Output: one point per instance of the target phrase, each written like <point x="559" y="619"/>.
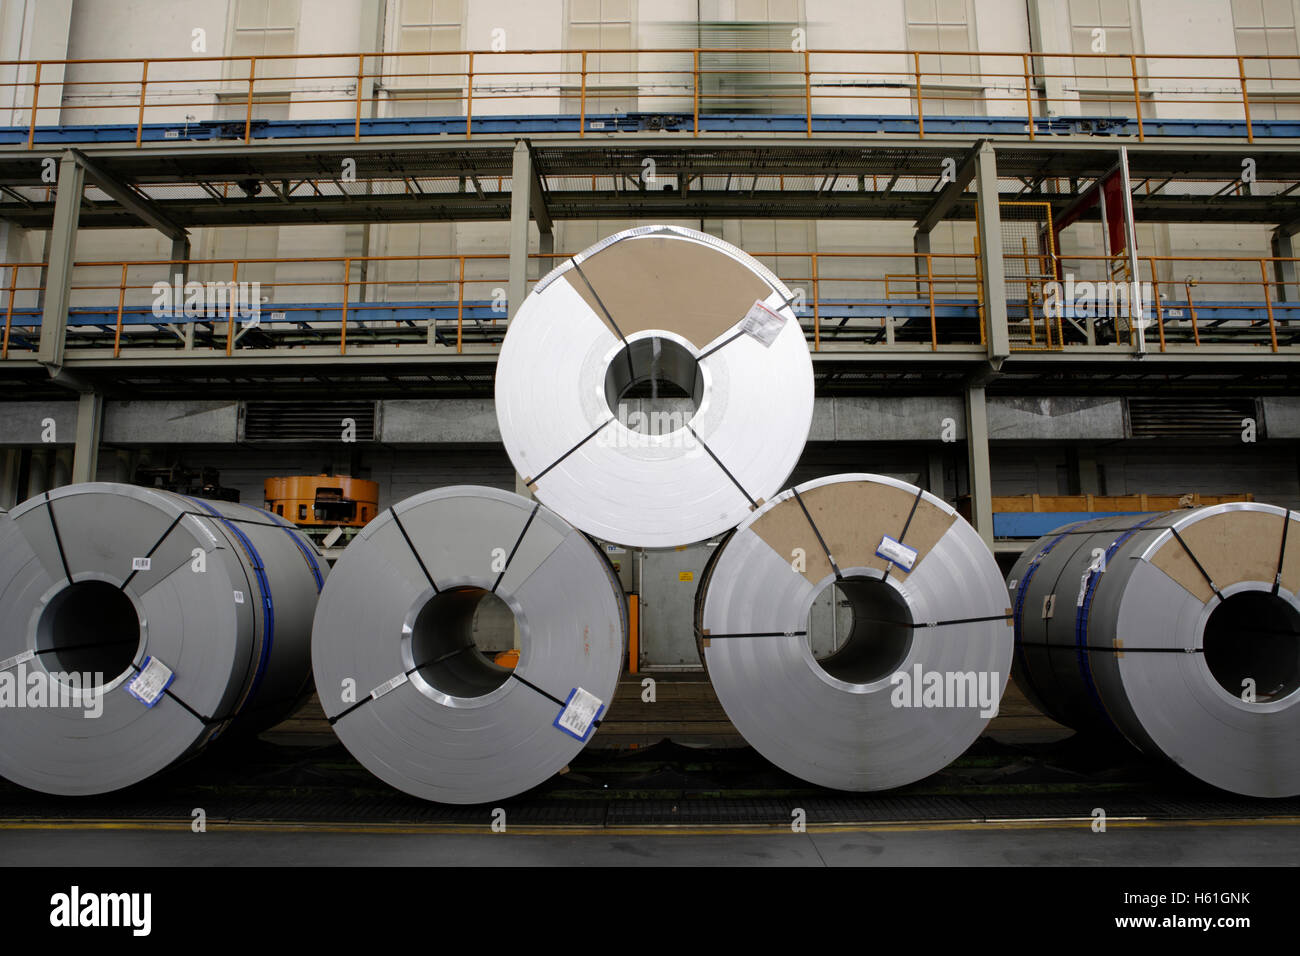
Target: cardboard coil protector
<point x="1180" y="631"/>
<point x="927" y="607"/>
<point x="648" y="311"/>
<point x="397" y="669"/>
<point x="195" y="614"/>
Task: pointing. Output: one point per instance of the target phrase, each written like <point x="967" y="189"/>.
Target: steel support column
<point x="992" y="267"/>
<point x="520" y="201"/>
<point x="63" y="248"/>
<point x="977" y="450"/>
<point x="90" y="427"/>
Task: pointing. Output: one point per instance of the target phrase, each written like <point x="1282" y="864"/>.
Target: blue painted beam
<point x="1035" y="524"/>
<point x="481" y="310"/>
<point x="795" y="123"/>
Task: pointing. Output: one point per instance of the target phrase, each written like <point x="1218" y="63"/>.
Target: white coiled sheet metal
<point x="649" y="309"/>
<point x="924" y="664"/>
<point x="147" y="622"/>
<point x="396" y="665"/>
<point x="1179" y="631"/>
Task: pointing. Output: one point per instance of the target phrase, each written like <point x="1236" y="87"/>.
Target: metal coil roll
<point x="1179" y="631"/>
<point x="666" y="305"/>
<point x="863" y="717"/>
<point x="153" y="622"/>
<point x="397" y="669"/>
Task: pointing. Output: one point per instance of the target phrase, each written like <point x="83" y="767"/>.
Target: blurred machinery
<point x="329" y="508"/>
<point x="195" y="482"/>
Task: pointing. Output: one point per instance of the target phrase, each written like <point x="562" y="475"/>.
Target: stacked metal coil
<point x="1179" y="631"/>
<point x="654" y="309"/>
<point x="139" y="625"/>
<point x="925" y="661"/>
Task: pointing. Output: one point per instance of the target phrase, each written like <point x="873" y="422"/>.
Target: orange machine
<point x="323" y="501"/>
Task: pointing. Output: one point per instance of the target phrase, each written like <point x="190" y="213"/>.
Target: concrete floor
<point x="1210" y="844"/>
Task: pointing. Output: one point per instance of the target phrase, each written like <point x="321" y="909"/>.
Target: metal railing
<point x="853" y="300"/>
<point x="693" y="82"/>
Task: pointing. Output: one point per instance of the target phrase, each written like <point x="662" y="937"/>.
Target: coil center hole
<point x="1254" y="635"/>
<point x="653" y="386"/>
<point x="860" y="630"/>
<point x="455" y="637"/>
<point x="89" y="628"/>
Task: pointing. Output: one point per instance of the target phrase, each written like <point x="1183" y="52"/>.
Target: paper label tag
<point x="580" y="713"/>
<point x="148" y="685"/>
<point x="239" y="597"/>
<point x="141" y="564"/>
<point x="762" y="323"/>
<point x="1083" y="588"/>
<point x="685" y="575"/>
<point x="895" y="551"/>
<point x="1011" y="585"/>
<point x="17" y="659"/>
<point x="388" y="685"/>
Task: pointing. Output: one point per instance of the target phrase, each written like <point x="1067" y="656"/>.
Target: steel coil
<point x="149" y="622"/>
<point x="397" y="668"/>
<point x="656" y="304"/>
<point x="925" y="661"/>
<point x="1179" y="631"/>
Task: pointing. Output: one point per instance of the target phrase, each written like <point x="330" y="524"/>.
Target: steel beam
<point x="951" y="191"/>
<point x="140" y="206"/>
<point x="977" y="451"/>
<point x="992" y="266"/>
<point x="62" y="250"/>
<point x="90" y="427"/>
<point x="520" y="201"/>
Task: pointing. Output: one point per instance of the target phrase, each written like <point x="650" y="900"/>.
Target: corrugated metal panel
<point x="309" y="421"/>
<point x="1189" y="417"/>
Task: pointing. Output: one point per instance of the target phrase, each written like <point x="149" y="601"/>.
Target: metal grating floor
<point x="661" y="786"/>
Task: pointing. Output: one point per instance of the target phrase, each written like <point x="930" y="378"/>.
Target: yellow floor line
<point x="1054" y="823"/>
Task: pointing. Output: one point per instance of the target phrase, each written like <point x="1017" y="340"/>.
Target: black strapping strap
<point x="156" y="546"/>
<point x="1199" y="567"/>
<point x="528" y="683"/>
<point x="631" y="371"/>
<point x="718" y="461"/>
<point x="903" y="534"/>
<point x="728" y="340"/>
<point x="551" y="697"/>
<point x="1281" y="554"/>
<point x="710" y="637"/>
<point x="58" y="539"/>
<point x="410" y="544"/>
<point x="1074" y="648"/>
<point x="595" y="295"/>
<point x="592" y="434"/>
<point x="820" y="540"/>
<point x="518" y="541"/>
